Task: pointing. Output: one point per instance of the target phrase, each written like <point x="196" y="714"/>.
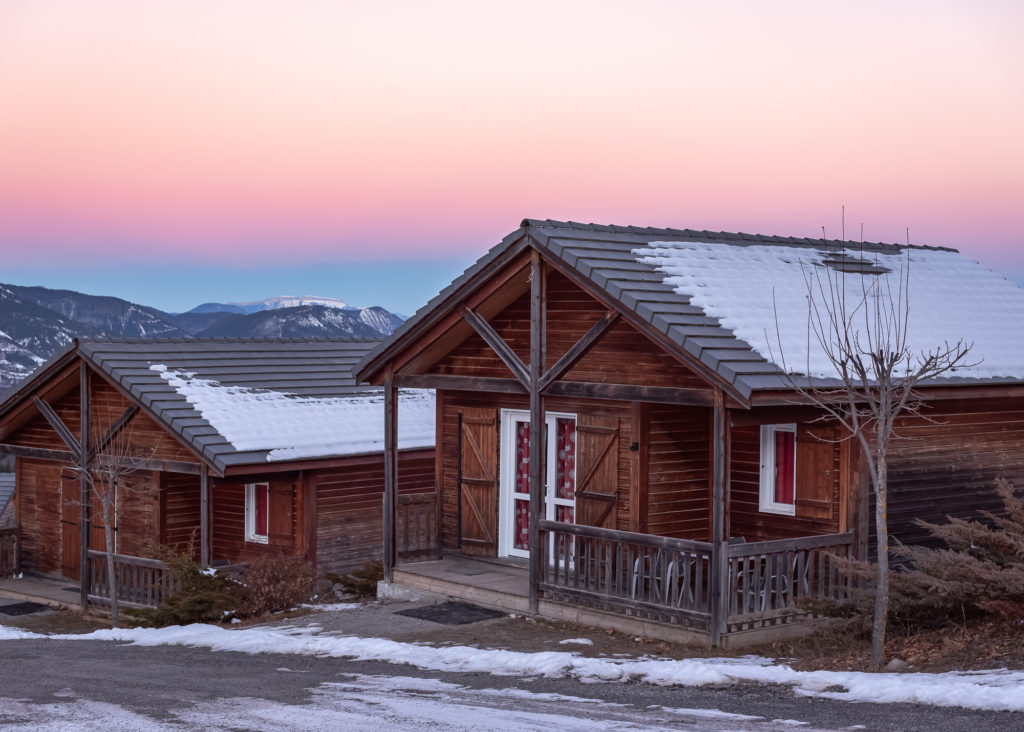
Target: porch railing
<point x="140" y="582"/>
<point x="765" y="583"/>
<point x="417" y="527"/>
<point x="770" y="580"/>
<point x="647" y="576"/>
<point x="8" y="552"/>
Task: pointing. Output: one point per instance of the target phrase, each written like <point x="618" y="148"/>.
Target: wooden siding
<point x="679" y="472"/>
<point x="349" y="503"/>
<point x="622" y="356"/>
<point x="180" y="496"/>
<point x="138" y="515"/>
<point x="148" y="438"/>
<point x="746" y="518"/>
<point x="449" y="405"/>
<point x="39" y="486"/>
<point x="39" y="504"/>
<point x="227" y="527"/>
<point x="948" y="466"/>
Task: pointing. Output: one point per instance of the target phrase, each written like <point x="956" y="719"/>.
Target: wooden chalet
<point x="246" y="449"/>
<point x="679" y="483"/>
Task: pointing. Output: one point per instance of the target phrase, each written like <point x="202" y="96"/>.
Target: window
<point x="559" y="478"/>
<point x="778" y="468"/>
<point x="257" y="512"/>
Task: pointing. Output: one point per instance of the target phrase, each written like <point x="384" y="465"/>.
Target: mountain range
<point x="36" y="322"/>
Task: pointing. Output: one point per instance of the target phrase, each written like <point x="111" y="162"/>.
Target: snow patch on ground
<point x="760" y="293"/>
<point x="992" y="690"/>
<point x="293" y="427"/>
<point x="576" y="642"/>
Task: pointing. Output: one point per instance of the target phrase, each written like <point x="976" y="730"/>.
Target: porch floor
<point x="498" y="584"/>
<point x="44" y="590"/>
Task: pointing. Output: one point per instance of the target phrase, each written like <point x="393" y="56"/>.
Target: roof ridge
<point x="721" y="235"/>
<point x="227" y="339"/>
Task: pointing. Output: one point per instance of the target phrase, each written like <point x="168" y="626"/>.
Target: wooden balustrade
<point x="655" y="577"/>
<point x="768" y="580"/>
<point x="416" y="518"/>
<point x="8" y="552"/>
<point x="140" y="582"/>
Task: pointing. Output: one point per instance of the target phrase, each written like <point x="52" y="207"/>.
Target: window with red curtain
<point x="257" y="512"/>
<point x="785" y="465"/>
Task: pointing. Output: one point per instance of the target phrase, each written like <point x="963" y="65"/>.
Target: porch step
<point x="499" y="590"/>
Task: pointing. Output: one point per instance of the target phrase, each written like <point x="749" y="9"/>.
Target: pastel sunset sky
<point x="179" y="152"/>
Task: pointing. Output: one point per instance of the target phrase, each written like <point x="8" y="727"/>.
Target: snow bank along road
<point x="303" y="679"/>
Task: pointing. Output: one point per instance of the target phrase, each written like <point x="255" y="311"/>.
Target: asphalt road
<point x="53" y="684"/>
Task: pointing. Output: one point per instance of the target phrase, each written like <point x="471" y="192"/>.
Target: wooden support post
<point x="84" y="412"/>
<point x="390" y="472"/>
<point x="719" y="541"/>
<point x="537" y="442"/>
<point x="204" y="516"/>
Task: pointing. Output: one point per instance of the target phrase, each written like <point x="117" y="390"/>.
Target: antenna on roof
<point x="843" y="222"/>
<point x="823" y="233"/>
<point x="908" y="236"/>
<point x="861" y="232"/>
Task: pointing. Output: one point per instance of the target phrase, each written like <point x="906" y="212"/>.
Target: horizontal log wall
<point x="349" y="509"/>
<point x="227" y="527"/>
<point x="181" y="512"/>
<point x="746" y="518"/>
<point x="138" y="515"/>
<point x="679" y="472"/>
<point x="948" y="466"/>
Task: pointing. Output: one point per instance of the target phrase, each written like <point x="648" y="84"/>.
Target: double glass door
<point x="559" y="476"/>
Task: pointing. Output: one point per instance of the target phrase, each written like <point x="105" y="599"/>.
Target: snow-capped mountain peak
<point x="292" y="301"/>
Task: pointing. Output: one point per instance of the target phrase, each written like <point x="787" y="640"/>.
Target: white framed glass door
<point x="559" y="476"/>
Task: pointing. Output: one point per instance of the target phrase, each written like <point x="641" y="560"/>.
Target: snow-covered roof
<point x="291" y="427"/>
<point x="253" y="401"/>
<point x="708" y="297"/>
<point x="765" y="295"/>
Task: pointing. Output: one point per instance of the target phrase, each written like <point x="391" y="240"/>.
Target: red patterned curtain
<point x="521" y="539"/>
<point x="565" y="467"/>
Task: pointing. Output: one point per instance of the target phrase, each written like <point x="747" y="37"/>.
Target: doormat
<point x="22" y="608"/>
<point x="452" y="613"/>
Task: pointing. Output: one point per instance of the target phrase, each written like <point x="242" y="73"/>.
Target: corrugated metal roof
<point x="604" y="256"/>
<point x="299" y="367"/>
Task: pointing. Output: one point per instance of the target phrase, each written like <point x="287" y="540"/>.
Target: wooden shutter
<point x="815" y="470"/>
<point x="478" y="486"/>
<point x="71" y="512"/>
<point x="279" y="499"/>
<point x="597" y="474"/>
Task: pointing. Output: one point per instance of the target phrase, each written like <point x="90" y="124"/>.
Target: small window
<point x="778" y="468"/>
<point x="257" y="512"/>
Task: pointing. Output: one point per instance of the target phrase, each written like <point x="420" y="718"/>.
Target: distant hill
<point x="36" y="322"/>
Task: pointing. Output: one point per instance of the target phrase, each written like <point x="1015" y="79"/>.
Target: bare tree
<point x="115" y="457"/>
<point x="858" y="315"/>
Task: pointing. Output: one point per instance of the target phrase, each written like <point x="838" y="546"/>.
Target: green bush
<point x="980" y="572"/>
<point x="202" y="596"/>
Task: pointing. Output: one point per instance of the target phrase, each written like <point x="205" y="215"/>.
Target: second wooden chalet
<point x="242" y="449"/>
<point x="619" y="441"/>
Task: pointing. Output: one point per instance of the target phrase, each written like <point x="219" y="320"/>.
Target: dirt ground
<point x="983" y="645"/>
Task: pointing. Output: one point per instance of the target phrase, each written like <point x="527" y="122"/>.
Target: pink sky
<point x="270" y="131"/>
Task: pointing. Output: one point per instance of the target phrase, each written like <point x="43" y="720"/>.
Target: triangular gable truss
<point x="468" y="310"/>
